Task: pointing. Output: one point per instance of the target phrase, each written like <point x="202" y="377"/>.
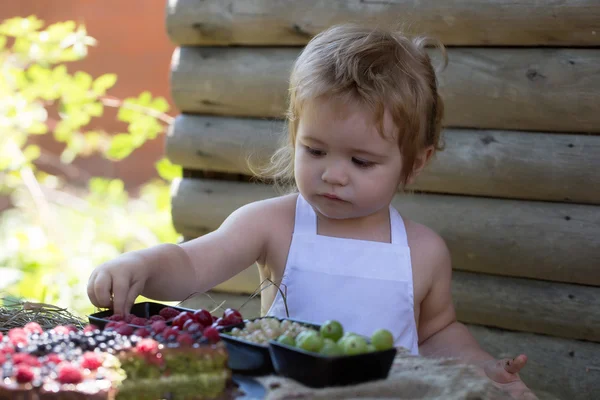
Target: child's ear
<point x="420" y="162"/>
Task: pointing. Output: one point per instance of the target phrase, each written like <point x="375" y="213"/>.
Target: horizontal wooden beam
<point x="461" y="22"/>
<point x="553" y="90"/>
<point x="567" y="369"/>
<point x="522" y="165"/>
<point x="528" y="305"/>
<point x="550" y="241"/>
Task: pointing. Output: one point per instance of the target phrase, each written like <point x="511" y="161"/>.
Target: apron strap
<point x="306" y="219"/>
<point x="398" y="228"/>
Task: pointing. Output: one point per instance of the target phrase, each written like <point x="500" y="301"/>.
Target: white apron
<point x="365" y="285"/>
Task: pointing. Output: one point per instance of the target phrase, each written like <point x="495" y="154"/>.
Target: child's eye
<point x="314" y="152"/>
<point x="362" y="163"/>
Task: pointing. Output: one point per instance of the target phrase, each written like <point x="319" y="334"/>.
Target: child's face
<point x="343" y="166"/>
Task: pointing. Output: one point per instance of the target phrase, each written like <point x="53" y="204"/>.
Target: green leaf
<point x="32" y="152"/>
<point x="126" y="114"/>
<point x="160" y="104"/>
<point x="60" y="30"/>
<point x="83" y="79"/>
<point x="37" y="128"/>
<point x="94" y="109"/>
<point x="19" y="26"/>
<point x="121" y="146"/>
<point x="145" y="99"/>
<point x="98" y="186"/>
<point x="2" y="42"/>
<point x="167" y="170"/>
<point x="103" y="83"/>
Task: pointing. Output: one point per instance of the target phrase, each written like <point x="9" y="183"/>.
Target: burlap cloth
<point x="410" y="378"/>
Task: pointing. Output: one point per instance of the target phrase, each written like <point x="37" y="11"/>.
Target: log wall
<point x="515" y="194"/>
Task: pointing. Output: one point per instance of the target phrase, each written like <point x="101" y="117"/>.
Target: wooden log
<point x="553" y="90"/>
<point x="524" y="165"/>
<point x="551" y="308"/>
<point x="458" y="23"/>
<point x="550" y="241"/>
<point x="568" y="369"/>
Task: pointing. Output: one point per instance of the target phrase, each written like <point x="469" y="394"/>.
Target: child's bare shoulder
<point x="269" y="215"/>
<point x="429" y="252"/>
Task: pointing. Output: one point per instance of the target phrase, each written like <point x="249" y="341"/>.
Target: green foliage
<point x="55" y="234"/>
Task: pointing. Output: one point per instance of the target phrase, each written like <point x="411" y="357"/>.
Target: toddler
<point x="364" y="119"/>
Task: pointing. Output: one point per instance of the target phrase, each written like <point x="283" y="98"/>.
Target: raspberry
<point x="185" y="339"/>
<point x="168" y="313"/>
<point x="129" y="318"/>
<point x="91" y="360"/>
<point x="147" y="346"/>
<point x="69" y="373"/>
<point x="138" y="321"/>
<point x="54" y="358"/>
<point x="25" y="359"/>
<point x="17" y="336"/>
<point x="61" y="330"/>
<point x="7" y="349"/>
<point x="1" y="336"/>
<point x="171" y="331"/>
<point x="24" y="374"/>
<point x="115" y="317"/>
<point x="33" y="327"/>
<point x="212" y="334"/>
<point x="152" y="318"/>
<point x="90" y="328"/>
<point x="141" y="332"/>
<point x="158" y="326"/>
<point x="125" y="330"/>
<point x="115" y="324"/>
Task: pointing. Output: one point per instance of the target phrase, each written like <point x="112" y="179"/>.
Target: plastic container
<point x="319" y="371"/>
<point x="249" y="358"/>
<point x="144" y="309"/>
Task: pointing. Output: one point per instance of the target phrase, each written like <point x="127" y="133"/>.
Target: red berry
<point x="61" y="330"/>
<point x="222" y="322"/>
<point x="115" y="317"/>
<point x="138" y="321"/>
<point x="180" y="319"/>
<point x="115" y="324"/>
<point x="157" y="318"/>
<point x="147" y="346"/>
<point x="212" y="334"/>
<point x="17" y="336"/>
<point x="125" y="330"/>
<point x="25" y="359"/>
<point x="158" y="326"/>
<point x="7" y="349"/>
<point x="129" y="317"/>
<point x="214" y="318"/>
<point x="231" y="311"/>
<point x="91" y="360"/>
<point x="203" y="317"/>
<point x="69" y="373"/>
<point x="232" y="319"/>
<point x="24" y="374"/>
<point x="141" y="332"/>
<point x="54" y="358"/>
<point x="187" y="323"/>
<point x="1" y="336"/>
<point x="171" y="331"/>
<point x="168" y="313"/>
<point x="33" y="327"/>
<point x="185" y="339"/>
<point x="90" y="328"/>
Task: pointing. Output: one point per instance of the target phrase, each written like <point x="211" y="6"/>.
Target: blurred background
<point x="84" y="105"/>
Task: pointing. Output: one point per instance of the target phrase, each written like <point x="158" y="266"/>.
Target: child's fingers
<point x="91" y="292"/>
<point x="515" y="365"/>
<point x="133" y="293"/>
<point x="102" y="290"/>
<point x="120" y="289"/>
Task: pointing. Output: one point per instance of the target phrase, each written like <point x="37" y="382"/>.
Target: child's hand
<point x="117" y="283"/>
<point x="505" y="374"/>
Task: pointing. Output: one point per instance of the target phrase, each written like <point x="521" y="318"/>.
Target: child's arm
<point x="441" y="335"/>
<point x="173" y="272"/>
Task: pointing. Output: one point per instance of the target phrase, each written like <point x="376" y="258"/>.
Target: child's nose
<point x="335" y="175"/>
